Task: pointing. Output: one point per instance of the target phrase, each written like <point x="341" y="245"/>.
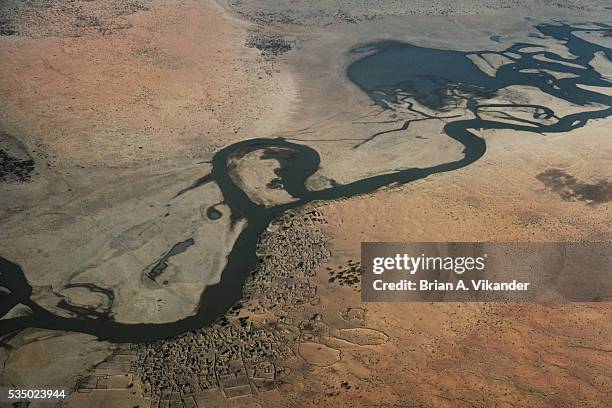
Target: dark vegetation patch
<point x="14" y="169"/>
<point x="269" y="44"/>
<point x="16" y="163"/>
<point x="6" y="28"/>
<point x="570" y="188"/>
<point x="341" y="12"/>
<point x="275" y="184"/>
<point x="73" y="18"/>
<point x="348" y="275"/>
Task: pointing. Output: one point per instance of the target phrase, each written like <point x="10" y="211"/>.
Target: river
<point x="387" y="71"/>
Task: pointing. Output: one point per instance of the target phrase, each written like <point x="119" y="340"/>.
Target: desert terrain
<point x="148" y="151"/>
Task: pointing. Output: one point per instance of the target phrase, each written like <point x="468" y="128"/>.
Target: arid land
<point x="121" y="105"/>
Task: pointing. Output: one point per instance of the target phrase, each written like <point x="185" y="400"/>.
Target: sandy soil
<point x="325" y="13"/>
<point x="449" y="355"/>
<point x="499" y="198"/>
<point x="174" y="83"/>
<point x="43" y="358"/>
<point x="480" y="354"/>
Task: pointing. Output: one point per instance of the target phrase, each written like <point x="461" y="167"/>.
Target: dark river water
<point x="389" y="72"/>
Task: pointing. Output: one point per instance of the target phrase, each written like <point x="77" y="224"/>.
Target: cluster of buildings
<point x="240" y="353"/>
